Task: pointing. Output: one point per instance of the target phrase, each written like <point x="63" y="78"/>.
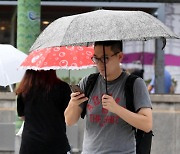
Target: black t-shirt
<point x="44" y="129"/>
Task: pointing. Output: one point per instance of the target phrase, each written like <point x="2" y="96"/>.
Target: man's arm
<point x="141" y="120"/>
<point x="150" y="87"/>
<point x="151" y="84"/>
<point x="73" y="110"/>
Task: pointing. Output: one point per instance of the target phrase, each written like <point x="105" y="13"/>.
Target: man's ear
<point x="121" y="55"/>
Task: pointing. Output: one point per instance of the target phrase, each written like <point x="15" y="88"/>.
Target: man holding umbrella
<point x="109" y="124"/>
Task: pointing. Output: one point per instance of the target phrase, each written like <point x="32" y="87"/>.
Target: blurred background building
<point x="165" y="10"/>
<point x="138" y="55"/>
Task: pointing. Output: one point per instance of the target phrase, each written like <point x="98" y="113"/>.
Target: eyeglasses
<point x="96" y="60"/>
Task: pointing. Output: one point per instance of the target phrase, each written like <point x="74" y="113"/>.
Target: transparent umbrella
<point x="10" y="60"/>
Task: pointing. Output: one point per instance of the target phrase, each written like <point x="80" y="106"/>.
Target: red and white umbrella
<point x="67" y="57"/>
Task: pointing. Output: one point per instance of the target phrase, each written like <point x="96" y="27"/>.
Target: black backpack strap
<point x="88" y="89"/>
<point x="129" y="95"/>
<point x="143" y="139"/>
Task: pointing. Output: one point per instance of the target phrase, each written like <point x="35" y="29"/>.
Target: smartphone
<point x="76" y="88"/>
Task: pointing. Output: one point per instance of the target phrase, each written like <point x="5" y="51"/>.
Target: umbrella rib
<point x="159" y="23"/>
<point x="76" y="16"/>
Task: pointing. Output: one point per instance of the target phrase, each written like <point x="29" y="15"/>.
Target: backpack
<point x="143" y="139"/>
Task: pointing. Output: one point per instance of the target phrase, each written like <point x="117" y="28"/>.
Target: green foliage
<point x="18" y="123"/>
<point x="147" y="82"/>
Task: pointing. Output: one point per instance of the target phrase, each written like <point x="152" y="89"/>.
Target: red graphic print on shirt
<point x="90" y="107"/>
<point x="95" y="118"/>
<point x="103" y="118"/>
<point x="104" y="111"/>
<point x="96" y="100"/>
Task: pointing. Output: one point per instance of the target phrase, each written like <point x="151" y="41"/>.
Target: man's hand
<point x="109" y="103"/>
<point x="73" y="110"/>
<point x="77" y="98"/>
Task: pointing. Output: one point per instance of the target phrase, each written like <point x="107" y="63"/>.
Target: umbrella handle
<point x="105" y="69"/>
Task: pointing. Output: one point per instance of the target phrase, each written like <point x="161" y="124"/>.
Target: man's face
<point x="112" y="60"/>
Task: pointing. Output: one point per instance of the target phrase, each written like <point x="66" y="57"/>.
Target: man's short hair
<point x="116" y="46"/>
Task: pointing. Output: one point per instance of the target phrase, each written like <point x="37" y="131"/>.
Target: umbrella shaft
<point x="105" y="68"/>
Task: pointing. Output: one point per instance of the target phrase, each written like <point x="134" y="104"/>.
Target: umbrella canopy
<point x="102" y="25"/>
<point x="10" y="60"/>
<point x="70" y="58"/>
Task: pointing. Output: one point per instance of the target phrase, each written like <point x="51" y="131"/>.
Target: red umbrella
<point x="69" y="57"/>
